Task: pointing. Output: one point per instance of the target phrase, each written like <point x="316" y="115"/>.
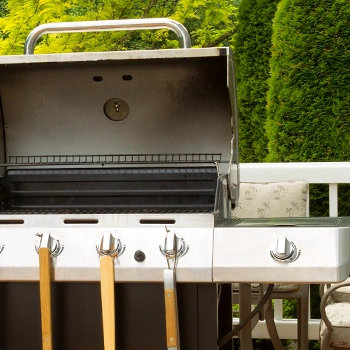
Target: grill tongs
<point x="174" y="248"/>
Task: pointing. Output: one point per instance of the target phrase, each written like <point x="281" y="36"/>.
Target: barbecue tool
<point x="109" y="249"/>
<point x="47" y="247"/>
<point x="173" y="249"/>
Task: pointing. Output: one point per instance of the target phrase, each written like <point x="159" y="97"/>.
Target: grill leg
<point x="225" y="314"/>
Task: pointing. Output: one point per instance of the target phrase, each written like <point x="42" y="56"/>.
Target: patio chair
<point x="272" y="200"/>
<point x="335" y="317"/>
<point x="341" y="295"/>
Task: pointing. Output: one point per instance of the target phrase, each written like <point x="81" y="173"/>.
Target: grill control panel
<point x="281" y="254"/>
<point x="205" y="253"/>
<point x="136" y="241"/>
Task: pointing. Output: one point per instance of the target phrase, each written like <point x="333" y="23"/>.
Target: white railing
<point x="332" y="173"/>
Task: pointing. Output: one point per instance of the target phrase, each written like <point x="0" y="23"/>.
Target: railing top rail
<point x="313" y="172"/>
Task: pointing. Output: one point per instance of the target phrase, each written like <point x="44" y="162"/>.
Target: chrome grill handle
<point x="107" y="25"/>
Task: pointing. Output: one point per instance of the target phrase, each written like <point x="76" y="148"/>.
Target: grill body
<point x="130" y="143"/>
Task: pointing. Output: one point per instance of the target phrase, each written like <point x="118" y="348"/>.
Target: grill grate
<point x="171" y="158"/>
<point x="48" y="212"/>
<point x="227" y="222"/>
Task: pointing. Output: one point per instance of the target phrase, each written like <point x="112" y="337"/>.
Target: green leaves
<point x="208" y="21"/>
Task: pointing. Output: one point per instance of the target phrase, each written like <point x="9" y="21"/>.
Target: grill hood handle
<point x="107" y="25"/>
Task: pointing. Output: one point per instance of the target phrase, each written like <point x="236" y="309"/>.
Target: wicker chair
<point x="335" y="316"/>
<point x="272" y="200"/>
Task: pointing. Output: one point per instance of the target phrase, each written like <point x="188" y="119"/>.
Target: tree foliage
<point x="309" y="91"/>
<point x="209" y="22"/>
<point x="3" y="10"/>
<point x="252" y="47"/>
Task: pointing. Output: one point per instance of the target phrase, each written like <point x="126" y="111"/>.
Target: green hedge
<point x="252" y="46"/>
<point x="309" y="92"/>
<point x="308" y="108"/>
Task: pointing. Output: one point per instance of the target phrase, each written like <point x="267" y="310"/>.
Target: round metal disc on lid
<point x="116" y="109"/>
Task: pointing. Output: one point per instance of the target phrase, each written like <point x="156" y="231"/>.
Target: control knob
<point x="283" y="250"/>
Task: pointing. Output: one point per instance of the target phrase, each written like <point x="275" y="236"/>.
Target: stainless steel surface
<point x="283" y="250"/>
<point x="174" y="248"/>
<point x="169" y="279"/>
<point x="109" y="245"/>
<point x="108" y="25"/>
<point x="190" y="100"/>
<point x="46" y="240"/>
<point x="227" y="254"/>
<point x="79" y="262"/>
<point x="242" y="254"/>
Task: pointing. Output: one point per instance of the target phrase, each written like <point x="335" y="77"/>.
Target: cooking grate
<point x="226" y="222"/>
<point x="65" y="211"/>
<point x="115" y="159"/>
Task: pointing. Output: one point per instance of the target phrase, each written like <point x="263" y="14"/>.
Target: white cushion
<point x="339" y="316"/>
<point x="272" y="199"/>
<point x="286" y="288"/>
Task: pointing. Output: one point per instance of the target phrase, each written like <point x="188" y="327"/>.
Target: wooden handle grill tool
<point x="171" y="316"/>
<point x="47" y="246"/>
<point x="109" y="249"/>
<point x="108" y="304"/>
<point x="45" y="291"/>
<point x="174" y="248"/>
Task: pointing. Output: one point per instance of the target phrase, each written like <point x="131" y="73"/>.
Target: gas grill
<point x="123" y="167"/>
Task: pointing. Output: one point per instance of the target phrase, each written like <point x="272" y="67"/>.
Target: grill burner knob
<point x="139" y="256"/>
<point x="283" y="250"/>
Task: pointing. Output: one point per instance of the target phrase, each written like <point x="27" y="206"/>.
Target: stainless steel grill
<point x="132" y="157"/>
<point x="136" y="145"/>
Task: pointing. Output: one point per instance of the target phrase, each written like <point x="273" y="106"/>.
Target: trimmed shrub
<point x="309" y="93"/>
<point x="308" y="108"/>
<point x="252" y="47"/>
